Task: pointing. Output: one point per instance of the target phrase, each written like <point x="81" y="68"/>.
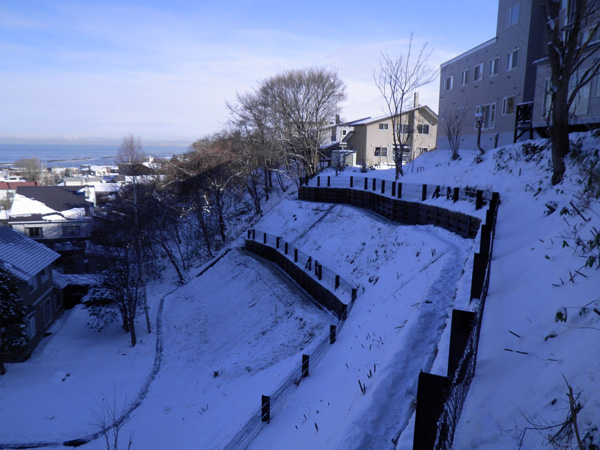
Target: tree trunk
<point x="559" y="135"/>
<point x="132" y="331"/>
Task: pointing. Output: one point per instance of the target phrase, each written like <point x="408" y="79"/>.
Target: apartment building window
<point x="494" y="66"/>
<point x="465" y="77"/>
<point x="508" y="105"/>
<point x="422" y="150"/>
<point x="34" y="232"/>
<point x="512" y="15"/>
<point x="488" y="113"/>
<point x="344" y="132"/>
<point x="478" y="72"/>
<point x="422" y="129"/>
<point x="449" y="83"/>
<point x="381" y="151"/>
<point x="513" y="59"/>
<point x="383" y="126"/>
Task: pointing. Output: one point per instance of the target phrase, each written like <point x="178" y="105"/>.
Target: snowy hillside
<point x="233" y="333"/>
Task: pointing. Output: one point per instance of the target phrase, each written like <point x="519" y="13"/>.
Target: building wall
<point x="54" y="230"/>
<point x="510" y="86"/>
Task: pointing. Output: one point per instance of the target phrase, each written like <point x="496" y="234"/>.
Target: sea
<point x="75" y="155"/>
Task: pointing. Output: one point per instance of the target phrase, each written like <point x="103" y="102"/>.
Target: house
<point x="8" y="189"/>
<point x="490" y="81"/>
<point x="30" y="265"/>
<point x="372" y="138"/>
<point x="59" y="217"/>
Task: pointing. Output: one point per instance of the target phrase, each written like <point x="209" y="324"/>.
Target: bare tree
<point x="453" y="126"/>
<point x="300" y="105"/>
<point x="30" y="169"/>
<point x="397" y="79"/>
<point x="574" y="60"/>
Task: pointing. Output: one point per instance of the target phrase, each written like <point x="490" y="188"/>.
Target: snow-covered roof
<point x="49" y="203"/>
<point x="23" y="257"/>
<point x="62" y="280"/>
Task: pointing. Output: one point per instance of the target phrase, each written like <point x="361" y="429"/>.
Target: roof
<point x="37" y="202"/>
<point x="369" y="120"/>
<point x="23" y="257"/>
<point x="15" y="184"/>
<point x="62" y="280"/>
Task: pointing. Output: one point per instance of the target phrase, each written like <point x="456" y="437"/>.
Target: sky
<point x="164" y="70"/>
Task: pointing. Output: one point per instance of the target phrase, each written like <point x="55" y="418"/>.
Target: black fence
<point x="406" y="191"/>
<point x="325" y="287"/>
<point x="440" y="399"/>
<point x="401" y="211"/>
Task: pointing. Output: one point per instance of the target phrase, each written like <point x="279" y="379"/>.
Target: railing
<point x="327" y="288"/>
<point x="405" y="191"/>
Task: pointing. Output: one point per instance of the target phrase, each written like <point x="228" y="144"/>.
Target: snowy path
<point x="391" y="334"/>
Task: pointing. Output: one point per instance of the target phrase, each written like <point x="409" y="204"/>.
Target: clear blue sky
<point x="163" y="70"/>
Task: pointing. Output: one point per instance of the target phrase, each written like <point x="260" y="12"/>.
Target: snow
<point x="235" y="332"/>
<point x="25" y="206"/>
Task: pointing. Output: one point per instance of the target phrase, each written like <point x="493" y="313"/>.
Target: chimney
<point x="416" y="101"/>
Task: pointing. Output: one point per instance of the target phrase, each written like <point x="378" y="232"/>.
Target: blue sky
<point x="163" y="70"/>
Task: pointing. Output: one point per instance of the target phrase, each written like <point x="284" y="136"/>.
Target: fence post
<point x="305" y="359"/>
<point x="460" y="332"/>
<point x="319" y="181"/>
<point x="332" y="334"/>
<point x="366" y="182"/>
<point x="286" y="248"/>
<point x="383" y="186"/>
<point x="328" y="181"/>
<point x="424" y="194"/>
<point x="479" y="200"/>
<point x="249" y="234"/>
<point x="399" y="190"/>
<point x="353" y="295"/>
<point x="277" y="242"/>
<point x="393" y="188"/>
<point x="455" y="194"/>
<point x="431" y="395"/>
<point x="308" y="265"/>
<point x="264" y="238"/>
<point x="337" y="281"/>
<point x="254" y="234"/>
<point x="351" y="181"/>
<point x="266" y="408"/>
<point x="479" y="267"/>
<point x="374" y="184"/>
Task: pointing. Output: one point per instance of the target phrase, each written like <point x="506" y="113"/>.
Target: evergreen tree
<point x="13" y="334"/>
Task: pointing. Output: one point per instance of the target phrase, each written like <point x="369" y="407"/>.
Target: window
<point x="33" y="283"/>
<point x="513" y="59"/>
<point x="488" y="113"/>
<point x="512" y="15"/>
<point x="423" y="129"/>
<point x="448" y="83"/>
<point x="478" y="72"/>
<point x="34" y="232"/>
<point x="31" y="327"/>
<point x="383" y="126"/>
<point x="47" y="312"/>
<point x="381" y="151"/>
<point x="508" y="105"/>
<point x="596" y="86"/>
<point x="465" y="77"/>
<point x="75" y="230"/>
<point x="404" y="128"/>
<point x="494" y="66"/>
<point x="405" y="154"/>
<point x="344" y="132"/>
<point x="422" y="150"/>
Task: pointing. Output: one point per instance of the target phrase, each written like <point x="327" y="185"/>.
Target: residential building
<point x="59" y="217"/>
<point x="30" y="265"/>
<point x="492" y="80"/>
<point x="373" y="140"/>
<point x="8" y="190"/>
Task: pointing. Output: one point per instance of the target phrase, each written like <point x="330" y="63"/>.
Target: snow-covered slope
<point x="234" y="333"/>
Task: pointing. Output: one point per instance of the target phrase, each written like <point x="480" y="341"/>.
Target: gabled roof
<point x="57" y="198"/>
<point x="370" y="120"/>
<point x="23" y="257"/>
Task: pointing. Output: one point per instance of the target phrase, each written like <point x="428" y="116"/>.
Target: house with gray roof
<point x="30" y="265"/>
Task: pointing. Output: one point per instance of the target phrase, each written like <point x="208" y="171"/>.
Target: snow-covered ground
<point x="232" y="334"/>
